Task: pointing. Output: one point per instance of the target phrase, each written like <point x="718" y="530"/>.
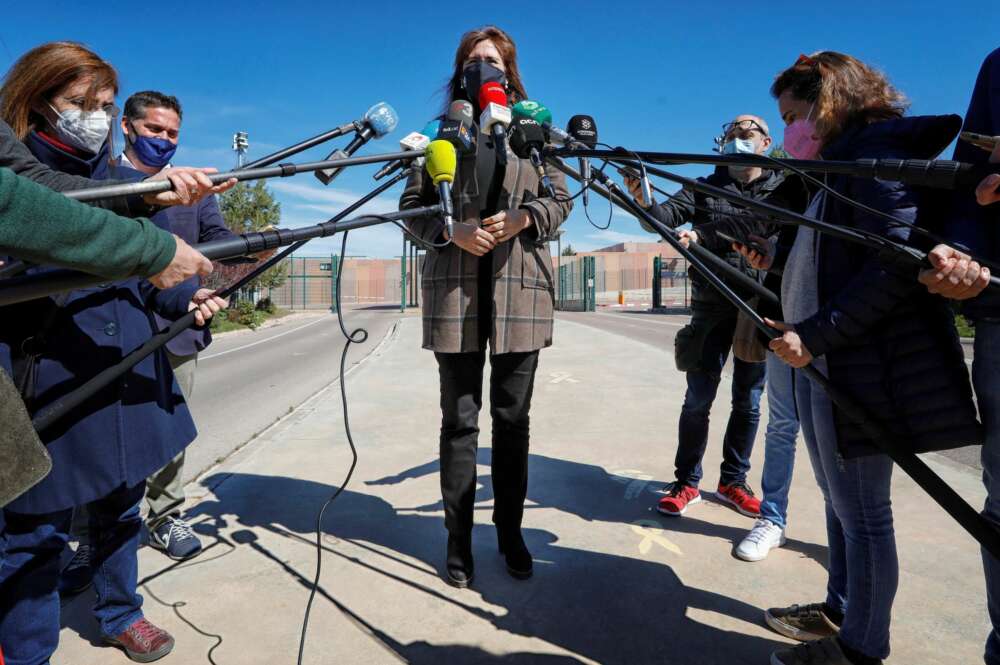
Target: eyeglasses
<point x="81" y="103"/>
<point x="743" y="129"/>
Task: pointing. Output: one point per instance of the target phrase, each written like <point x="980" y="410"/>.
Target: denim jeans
<point x="779" y="442"/>
<point x="863" y="566"/>
<point x="744" y="416"/>
<point x="512" y="381"/>
<point x="29" y="574"/>
<point x="986" y="379"/>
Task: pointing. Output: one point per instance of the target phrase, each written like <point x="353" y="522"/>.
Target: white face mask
<point x="87" y="130"/>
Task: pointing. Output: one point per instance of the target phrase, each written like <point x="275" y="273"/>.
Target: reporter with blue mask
<point x="702" y="348"/>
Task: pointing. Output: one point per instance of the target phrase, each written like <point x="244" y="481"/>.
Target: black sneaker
<point x="804" y="623"/>
<point x="78" y="574"/>
<point x="175" y="538"/>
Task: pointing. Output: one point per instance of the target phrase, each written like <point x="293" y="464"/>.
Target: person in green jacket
<point x="43" y="226"/>
<point x="40" y="225"/>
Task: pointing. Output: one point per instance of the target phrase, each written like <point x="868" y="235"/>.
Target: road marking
<point x="622" y="317"/>
<point x="261" y="341"/>
<point x="562" y="377"/>
<point x="635" y="481"/>
<point x="650" y="532"/>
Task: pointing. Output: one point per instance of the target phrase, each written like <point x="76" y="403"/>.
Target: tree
<point x="778" y="152"/>
<point x="568" y="251"/>
<point x="248" y="208"/>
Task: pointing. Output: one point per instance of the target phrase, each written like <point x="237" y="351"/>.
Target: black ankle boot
<point x="459" y="562"/>
<point x="515" y="552"/>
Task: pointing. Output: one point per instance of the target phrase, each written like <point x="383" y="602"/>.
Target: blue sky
<point x="661" y="76"/>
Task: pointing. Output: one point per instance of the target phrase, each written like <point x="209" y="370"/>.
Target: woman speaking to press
<point x="491" y="287"/>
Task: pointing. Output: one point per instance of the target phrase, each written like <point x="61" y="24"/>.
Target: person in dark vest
<point x="702" y="347"/>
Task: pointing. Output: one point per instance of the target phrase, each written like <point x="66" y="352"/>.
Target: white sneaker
<point x="763" y="537"/>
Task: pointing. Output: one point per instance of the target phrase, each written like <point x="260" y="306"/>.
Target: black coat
<point x="887" y="341"/>
<point x="709" y="215"/>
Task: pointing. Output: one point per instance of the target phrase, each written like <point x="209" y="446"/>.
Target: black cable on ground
<point x="358" y="336"/>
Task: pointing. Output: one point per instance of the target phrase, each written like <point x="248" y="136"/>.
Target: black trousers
<point x="512" y="380"/>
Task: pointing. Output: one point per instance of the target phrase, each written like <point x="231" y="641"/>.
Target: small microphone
<point x="412" y="141"/>
<point x="527" y="138"/>
<point x="441" y="164"/>
<point x="378" y="121"/>
<point x="495" y="117"/>
<point x="583" y="129"/>
<point x="456" y="129"/>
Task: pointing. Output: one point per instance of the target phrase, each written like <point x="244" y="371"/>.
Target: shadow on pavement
<point x="609" y="497"/>
<point x="609" y="608"/>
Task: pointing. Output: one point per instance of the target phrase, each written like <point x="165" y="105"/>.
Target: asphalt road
<point x="246" y="381"/>
<point x="659" y="330"/>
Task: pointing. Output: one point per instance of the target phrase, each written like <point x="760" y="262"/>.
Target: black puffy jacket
<point x="886" y="340"/>
<point x="709" y="214"/>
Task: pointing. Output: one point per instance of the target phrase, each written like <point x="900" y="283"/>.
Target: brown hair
<point x="508" y="51"/>
<point x="844" y="89"/>
<point x="44" y="70"/>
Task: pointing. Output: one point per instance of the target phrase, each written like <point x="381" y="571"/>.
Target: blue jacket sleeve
<point x="880" y="283"/>
<point x="170" y="303"/>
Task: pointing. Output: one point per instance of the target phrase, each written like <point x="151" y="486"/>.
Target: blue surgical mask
<point x="152" y="151"/>
<point x="739" y="147"/>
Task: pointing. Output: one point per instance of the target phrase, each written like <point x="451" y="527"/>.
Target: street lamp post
<point x="240" y="145"/>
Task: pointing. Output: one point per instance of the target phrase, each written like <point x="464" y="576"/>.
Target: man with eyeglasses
<point x="703" y="346"/>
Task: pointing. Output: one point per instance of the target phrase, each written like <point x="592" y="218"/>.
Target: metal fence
<point x="310" y="282"/>
<point x="672" y="288"/>
<point x="621" y="279"/>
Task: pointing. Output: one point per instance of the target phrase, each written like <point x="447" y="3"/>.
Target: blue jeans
<point x="779" y="442"/>
<point x="702" y="386"/>
<point x="863" y="567"/>
<point x="29" y="574"/>
<point x="986" y="379"/>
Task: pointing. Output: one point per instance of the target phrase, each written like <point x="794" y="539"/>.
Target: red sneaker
<point x="677" y="500"/>
<point x="143" y="642"/>
<point x="740" y="497"/>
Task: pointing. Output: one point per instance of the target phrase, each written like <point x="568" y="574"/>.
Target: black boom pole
<point x="941" y="492"/>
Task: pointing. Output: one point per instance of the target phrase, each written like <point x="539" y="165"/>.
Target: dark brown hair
<point x="844" y="89"/>
<point x="44" y="70"/>
<point x="136" y="105"/>
<point x="508" y="51"/>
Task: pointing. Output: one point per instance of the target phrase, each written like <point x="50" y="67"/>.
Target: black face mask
<point x="475" y="74"/>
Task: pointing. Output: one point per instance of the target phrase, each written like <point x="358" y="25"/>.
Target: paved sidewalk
<point x="614" y="581"/>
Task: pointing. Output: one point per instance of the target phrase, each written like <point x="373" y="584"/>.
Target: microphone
<point x="412" y="141"/>
<point x="456" y="129"/>
<point x="584" y="130"/>
<point x="543" y="116"/>
<point x="378" y="121"/>
<point x="441" y="164"/>
<point x="527" y="138"/>
<point x="495" y="118"/>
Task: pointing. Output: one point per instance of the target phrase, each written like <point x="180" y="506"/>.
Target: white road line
<point x="261" y="341"/>
<point x="624" y="317"/>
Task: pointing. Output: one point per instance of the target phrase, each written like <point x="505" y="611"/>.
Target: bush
<point x="266" y="305"/>
<point x="964" y="328"/>
<point x="248" y="315"/>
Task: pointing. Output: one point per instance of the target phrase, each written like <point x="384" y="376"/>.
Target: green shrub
<point x="248" y="315"/>
<point x="266" y="305"/>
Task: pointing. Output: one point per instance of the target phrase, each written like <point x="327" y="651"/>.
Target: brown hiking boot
<point x="143" y="642"/>
<point x="801" y="622"/>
